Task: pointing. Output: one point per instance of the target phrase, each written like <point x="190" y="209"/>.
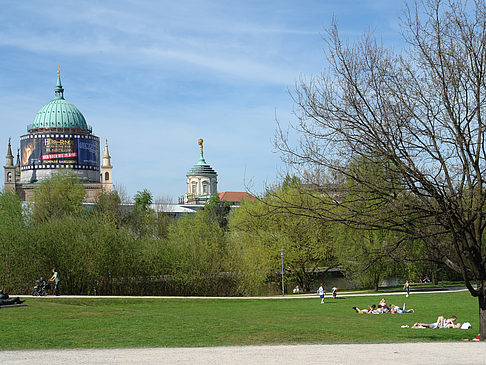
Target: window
<point x="205" y="188"/>
<point x="194" y="188"/>
<point x="9" y="177"/>
<point x="107" y="176"/>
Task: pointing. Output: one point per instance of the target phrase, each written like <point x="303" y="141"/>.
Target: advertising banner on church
<point x="59" y="150"/>
<point x="89" y="152"/>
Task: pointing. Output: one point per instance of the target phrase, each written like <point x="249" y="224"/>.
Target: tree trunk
<point x="306" y="279"/>
<point x="482" y="312"/>
<point x="434" y="275"/>
<point x="376" y="282"/>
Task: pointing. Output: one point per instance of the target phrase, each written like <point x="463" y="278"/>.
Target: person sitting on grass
<point x="447" y="323"/>
<point x="6" y="300"/>
<point x="383" y="305"/>
<point x="440" y="323"/>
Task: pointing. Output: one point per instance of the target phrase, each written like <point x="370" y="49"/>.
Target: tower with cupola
<point x="202" y="181"/>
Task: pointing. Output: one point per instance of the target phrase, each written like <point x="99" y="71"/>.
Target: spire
<point x="17" y="164"/>
<point x="106" y="156"/>
<point x="9" y="152"/>
<point x="9" y="157"/>
<point x="59" y="91"/>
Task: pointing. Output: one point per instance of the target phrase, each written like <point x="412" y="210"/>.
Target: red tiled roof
<point x="235" y="196"/>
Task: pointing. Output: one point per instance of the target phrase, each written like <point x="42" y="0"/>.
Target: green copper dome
<point x="201" y="167"/>
<point x="58" y="113"/>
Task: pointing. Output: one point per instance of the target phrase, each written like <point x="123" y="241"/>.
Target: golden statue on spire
<point x="200" y="143"/>
<point x="58" y="71"/>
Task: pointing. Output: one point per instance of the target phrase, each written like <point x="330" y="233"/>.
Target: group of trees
<point x="106" y="248"/>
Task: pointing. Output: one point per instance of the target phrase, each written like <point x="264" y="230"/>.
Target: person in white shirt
<point x="55" y="278"/>
<point x="321" y="293"/>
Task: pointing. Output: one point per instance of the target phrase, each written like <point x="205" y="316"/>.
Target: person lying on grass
<point x="381" y="309"/>
<point x="365" y="311"/>
<point x="396" y="309"/>
<point x="441" y="323"/>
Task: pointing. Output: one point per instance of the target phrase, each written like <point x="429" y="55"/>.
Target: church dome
<point x="59" y="113"/>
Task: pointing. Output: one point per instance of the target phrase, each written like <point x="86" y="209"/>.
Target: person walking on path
<point x="321" y="293"/>
<point x="55" y="278"/>
<point x="407" y="288"/>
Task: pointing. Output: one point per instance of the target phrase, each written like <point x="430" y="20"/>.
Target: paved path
<point x="275" y="297"/>
<point x="375" y="354"/>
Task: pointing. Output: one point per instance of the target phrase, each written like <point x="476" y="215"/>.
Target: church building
<point x="58" y="139"/>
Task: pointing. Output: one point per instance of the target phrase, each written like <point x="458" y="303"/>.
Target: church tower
<point x="9" y="169"/>
<point x="202" y="181"/>
<point x="106" y="170"/>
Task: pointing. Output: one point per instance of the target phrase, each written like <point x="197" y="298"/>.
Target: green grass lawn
<point x="105" y="323"/>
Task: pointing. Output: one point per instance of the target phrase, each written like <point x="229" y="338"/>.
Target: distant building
<point x="175" y="210"/>
<point x="202" y="182"/>
<point x="234" y="198"/>
<point x="58" y="139"/>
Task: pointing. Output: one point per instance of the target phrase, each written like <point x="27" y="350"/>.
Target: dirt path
<point x="403" y="353"/>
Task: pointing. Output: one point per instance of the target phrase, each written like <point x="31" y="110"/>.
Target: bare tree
<point x="407" y="130"/>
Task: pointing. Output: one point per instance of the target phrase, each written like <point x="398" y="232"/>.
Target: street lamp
<point x="283" y="287"/>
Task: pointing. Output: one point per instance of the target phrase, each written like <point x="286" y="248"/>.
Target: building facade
<point x="58" y="139"/>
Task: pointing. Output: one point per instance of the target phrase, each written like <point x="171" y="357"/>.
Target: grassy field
<point x="107" y="323"/>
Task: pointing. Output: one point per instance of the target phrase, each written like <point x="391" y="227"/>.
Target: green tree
<point x="143" y="199"/>
<point x="363" y="256"/>
<point x="268" y="226"/>
<point x="108" y="205"/>
<point x="367" y="253"/>
<point x="16" y="253"/>
<point x="218" y="211"/>
<point x="57" y="196"/>
<point x="141" y="219"/>
<point x="199" y="249"/>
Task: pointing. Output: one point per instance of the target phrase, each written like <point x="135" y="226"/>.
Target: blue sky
<point x="155" y="76"/>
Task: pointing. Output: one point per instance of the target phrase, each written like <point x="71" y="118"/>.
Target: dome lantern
<point x="59" y="91"/>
